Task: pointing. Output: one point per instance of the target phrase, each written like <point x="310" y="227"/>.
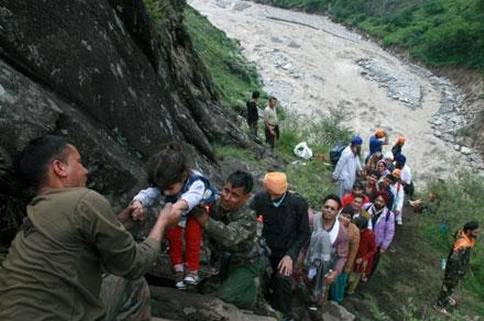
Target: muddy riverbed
<point x="314" y="66"/>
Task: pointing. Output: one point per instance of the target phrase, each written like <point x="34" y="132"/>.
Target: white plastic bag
<point x="302" y="150"/>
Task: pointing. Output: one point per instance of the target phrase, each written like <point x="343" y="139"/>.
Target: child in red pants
<point x="170" y="177"/>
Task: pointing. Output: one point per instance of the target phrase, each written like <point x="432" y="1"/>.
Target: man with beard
<point x="232" y="231"/>
<point x="457" y="265"/>
<point x="385" y="186"/>
<point x="382" y="222"/>
<point x="69" y="238"/>
<point x="348" y="166"/>
<point x="286" y="230"/>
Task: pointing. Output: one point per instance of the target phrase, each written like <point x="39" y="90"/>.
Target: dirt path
<point x="313" y="66"/>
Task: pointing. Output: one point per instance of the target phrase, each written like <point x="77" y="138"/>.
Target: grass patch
<point x="227" y="151"/>
<point x="233" y="76"/>
<point x="458" y="201"/>
<point x="311" y="178"/>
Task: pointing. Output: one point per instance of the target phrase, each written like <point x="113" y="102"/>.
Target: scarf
<point x="277" y="202"/>
<point x="333" y="233"/>
<point x="463" y="241"/>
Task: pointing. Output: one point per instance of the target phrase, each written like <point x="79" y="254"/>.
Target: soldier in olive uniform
<point x="69" y="238"/>
<point x="232" y="228"/>
<point x="457" y="265"/>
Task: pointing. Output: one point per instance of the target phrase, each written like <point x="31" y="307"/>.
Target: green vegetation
<point x="226" y="151"/>
<point x="439" y="32"/>
<point x="234" y="78"/>
<point x="311" y="178"/>
<point x="458" y="201"/>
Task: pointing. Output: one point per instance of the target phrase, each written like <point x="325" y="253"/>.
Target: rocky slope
<point x="116" y="85"/>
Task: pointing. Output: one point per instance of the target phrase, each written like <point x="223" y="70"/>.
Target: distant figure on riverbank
<point x="271" y="122"/>
<point x="252" y="113"/>
<point x="457" y="265"/>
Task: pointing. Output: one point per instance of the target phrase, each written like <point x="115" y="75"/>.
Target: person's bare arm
<point x="165" y="219"/>
<point x="124" y="217"/>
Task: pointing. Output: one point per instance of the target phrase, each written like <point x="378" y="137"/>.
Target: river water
<point x="314" y="66"/>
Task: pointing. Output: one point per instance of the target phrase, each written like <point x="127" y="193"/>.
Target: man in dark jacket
<point x="286" y="230"/>
<point x="457" y="265"/>
<point x="252" y="113"/>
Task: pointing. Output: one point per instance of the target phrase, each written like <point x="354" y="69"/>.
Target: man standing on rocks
<point x="271" y="122"/>
<point x="232" y="229"/>
<point x="348" y="166"/>
<point x="286" y="230"/>
<point x="457" y="265"/>
<point x="252" y="113"/>
<point x="69" y="238"/>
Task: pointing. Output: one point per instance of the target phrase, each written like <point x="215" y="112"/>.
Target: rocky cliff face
<point x="116" y="85"/>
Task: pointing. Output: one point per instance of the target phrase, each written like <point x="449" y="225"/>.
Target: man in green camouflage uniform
<point x="232" y="229"/>
<point x="457" y="265"/>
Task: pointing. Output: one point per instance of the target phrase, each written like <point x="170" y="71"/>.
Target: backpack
<point x="335" y="153"/>
<point x="318" y="259"/>
<point x="209" y="197"/>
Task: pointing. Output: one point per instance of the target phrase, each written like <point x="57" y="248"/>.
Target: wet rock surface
<point x="102" y="75"/>
<point x="179" y="305"/>
<point x="404" y="87"/>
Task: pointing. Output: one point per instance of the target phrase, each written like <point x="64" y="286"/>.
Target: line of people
<point x="74" y="259"/>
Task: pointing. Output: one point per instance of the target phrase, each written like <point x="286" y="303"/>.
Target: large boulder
<point x="115" y="84"/>
<point x="173" y="304"/>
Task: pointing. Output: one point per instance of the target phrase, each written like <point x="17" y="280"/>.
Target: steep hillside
<point x="234" y="79"/>
<point x="115" y="84"/>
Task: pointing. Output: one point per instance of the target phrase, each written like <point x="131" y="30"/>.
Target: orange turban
<point x="275" y="182"/>
<point x="379" y="133"/>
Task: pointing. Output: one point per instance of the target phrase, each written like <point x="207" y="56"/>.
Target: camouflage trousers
<point x="125" y="300"/>
<point x="242" y="287"/>
<point x="450" y="283"/>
